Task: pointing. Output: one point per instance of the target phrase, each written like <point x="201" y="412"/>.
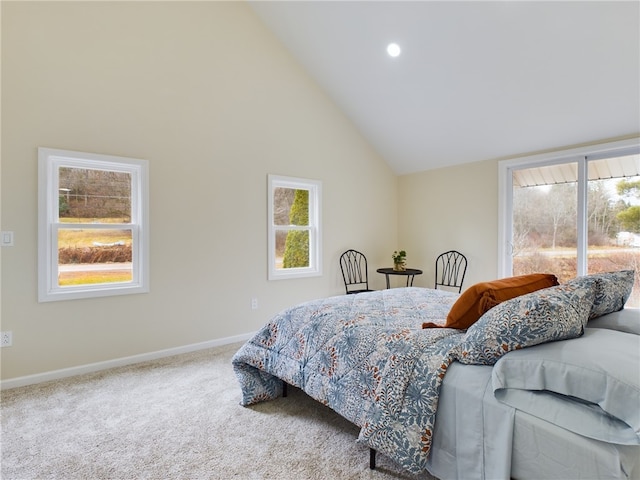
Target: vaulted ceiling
<point x="475" y="80"/>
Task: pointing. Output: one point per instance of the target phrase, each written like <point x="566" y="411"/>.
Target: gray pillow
<point x="598" y="373"/>
<point x="626" y="320"/>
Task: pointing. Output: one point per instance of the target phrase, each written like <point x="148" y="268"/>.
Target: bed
<point x="542" y="385"/>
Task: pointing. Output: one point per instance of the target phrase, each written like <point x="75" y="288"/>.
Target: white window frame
<point x="314" y="228"/>
<point x="49" y="162"/>
<point x="581" y="156"/>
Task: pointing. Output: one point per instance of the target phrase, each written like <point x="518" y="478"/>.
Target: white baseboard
<point x="118" y="362"/>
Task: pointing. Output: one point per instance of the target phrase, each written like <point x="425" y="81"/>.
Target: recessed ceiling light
<point x="393" y="49"/>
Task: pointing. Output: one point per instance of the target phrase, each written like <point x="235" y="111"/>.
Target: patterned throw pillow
<point x="612" y="290"/>
<point x="555" y="313"/>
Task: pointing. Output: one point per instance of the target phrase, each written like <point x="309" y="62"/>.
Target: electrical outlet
<point x="6" y="339"/>
<point x="254" y="304"/>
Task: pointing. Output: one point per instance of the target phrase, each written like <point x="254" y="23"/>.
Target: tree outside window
<point x="294" y="227"/>
<point x="546" y="210"/>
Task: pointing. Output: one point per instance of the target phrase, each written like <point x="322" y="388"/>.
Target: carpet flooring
<point x="176" y="418"/>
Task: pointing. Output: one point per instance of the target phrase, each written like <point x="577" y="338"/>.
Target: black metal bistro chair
<point x="354" y="272"/>
<point x="450" y="269"/>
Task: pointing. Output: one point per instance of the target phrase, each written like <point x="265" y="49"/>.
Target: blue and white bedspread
<point x="365" y="356"/>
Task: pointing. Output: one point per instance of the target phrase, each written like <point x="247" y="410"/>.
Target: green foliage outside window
<point x="296" y="250"/>
<point x="63" y="206"/>
<point x="630" y="217"/>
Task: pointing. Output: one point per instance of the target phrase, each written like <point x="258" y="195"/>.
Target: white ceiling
<point x="476" y="80"/>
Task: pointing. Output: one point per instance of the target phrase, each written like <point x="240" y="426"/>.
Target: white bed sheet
<point x="477" y="437"/>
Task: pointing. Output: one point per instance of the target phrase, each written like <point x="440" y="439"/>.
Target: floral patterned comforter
<point x="365" y="356"/>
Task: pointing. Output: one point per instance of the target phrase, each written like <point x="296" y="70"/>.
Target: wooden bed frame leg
<point x="284" y="388"/>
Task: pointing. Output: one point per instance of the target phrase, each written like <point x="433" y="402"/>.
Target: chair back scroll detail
<point x="451" y="267"/>
<point x="354" y="272"/>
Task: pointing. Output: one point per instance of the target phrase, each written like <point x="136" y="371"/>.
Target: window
<point x="572" y="213"/>
<point x="294" y="227"/>
<point x="92" y="225"/>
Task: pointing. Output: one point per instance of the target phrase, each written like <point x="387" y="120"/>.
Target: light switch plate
<point x="6" y="239"/>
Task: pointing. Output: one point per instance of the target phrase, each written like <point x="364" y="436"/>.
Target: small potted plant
<point x="399" y="260"/>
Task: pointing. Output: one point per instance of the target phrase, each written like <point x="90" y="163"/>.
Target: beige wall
<point x="214" y="103"/>
<point x="452" y="208"/>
